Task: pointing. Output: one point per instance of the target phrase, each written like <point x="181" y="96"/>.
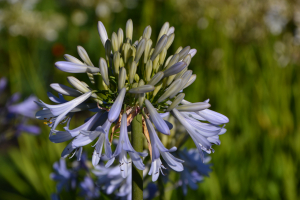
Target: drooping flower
<point x="111" y="181"/>
<point x="159" y="149"/>
<point x="60" y="111"/>
<point x="15" y="117"/>
<point x="125" y="147"/>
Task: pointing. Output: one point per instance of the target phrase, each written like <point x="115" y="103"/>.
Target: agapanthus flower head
<point x="133" y="78"/>
<point x="15" y="115"/>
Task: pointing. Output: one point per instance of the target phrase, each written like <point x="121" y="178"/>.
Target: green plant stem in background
<point x="137" y="143"/>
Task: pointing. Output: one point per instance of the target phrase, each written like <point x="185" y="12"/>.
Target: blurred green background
<point x="247" y="64"/>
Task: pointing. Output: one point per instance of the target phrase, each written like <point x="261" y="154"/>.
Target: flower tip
<point x="142" y="89"/>
<point x="58" y="64"/>
<point x="102" y="32"/>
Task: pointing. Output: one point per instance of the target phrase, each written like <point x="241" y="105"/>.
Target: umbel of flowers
<point x="135" y="78"/>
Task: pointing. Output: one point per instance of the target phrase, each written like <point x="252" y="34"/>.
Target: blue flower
<point x="125" y="147"/>
<point x="194" y="169"/>
<point x="60" y="111"/>
<point x="65" y="178"/>
<point x="203" y="134"/>
<point x="159" y="149"/>
<point x="88" y="189"/>
<point x="110" y="180"/>
<point x="159" y="123"/>
<point x="15" y="117"/>
<point x="136" y="79"/>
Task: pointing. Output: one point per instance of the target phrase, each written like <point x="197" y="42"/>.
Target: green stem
<point x="137" y="144"/>
<point x="161" y="189"/>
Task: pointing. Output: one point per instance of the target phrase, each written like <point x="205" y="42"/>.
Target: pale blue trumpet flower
<point x="159" y="123"/>
<point x="210" y="115"/>
<point x="62" y="110"/>
<point x="62" y="136"/>
<point x="125" y="147"/>
<point x="201" y="133"/>
<point x="112" y="181"/>
<point x="159" y="149"/>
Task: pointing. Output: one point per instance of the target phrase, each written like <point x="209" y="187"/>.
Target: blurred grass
<point x="259" y="154"/>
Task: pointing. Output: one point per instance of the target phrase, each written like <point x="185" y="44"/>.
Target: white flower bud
<point x="129" y="29"/>
<point x="147" y="32"/>
<point x="120" y="37"/>
<point x="142" y="89"/>
<point x="104" y="71"/>
<point x="164" y="29"/>
<point x="132" y="71"/>
<point x="77" y="84"/>
<point x="142" y="95"/>
<point x="108" y="47"/>
<point x="192" y="52"/>
<point x="173" y="87"/>
<point x="140" y="50"/>
<point x="156" y="78"/>
<point x="159" y="46"/>
<point x="84" y="56"/>
<point x="162" y="56"/>
<point x="72" y="59"/>
<point x="115" y="42"/>
<point x="102" y="32"/>
<point x="171" y="30"/>
<point x="116" y="60"/>
<point x="174" y="69"/>
<point x="170" y="40"/>
<point x="173" y="61"/>
<point x="187" y="59"/>
<point x="184" y="52"/>
<point x="65" y="90"/>
<point x="191" y="80"/>
<point x="176" y="101"/>
<point x="193" y="107"/>
<point x="75" y="68"/>
<point x="148" y="70"/>
<point x="147" y="50"/>
<point x="185" y="78"/>
<point x="122" y="78"/>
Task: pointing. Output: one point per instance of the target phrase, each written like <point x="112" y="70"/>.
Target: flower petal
<point x="159" y="123"/>
<point x="86" y="126"/>
<point x="75" y="68"/>
<point x="60" y="136"/>
<point x="65" y="90"/>
<point x="116" y="107"/>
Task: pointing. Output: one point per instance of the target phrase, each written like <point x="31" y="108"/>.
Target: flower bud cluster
<point x="134" y="77"/>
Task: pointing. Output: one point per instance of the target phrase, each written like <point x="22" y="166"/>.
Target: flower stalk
<point x="137" y="144"/>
